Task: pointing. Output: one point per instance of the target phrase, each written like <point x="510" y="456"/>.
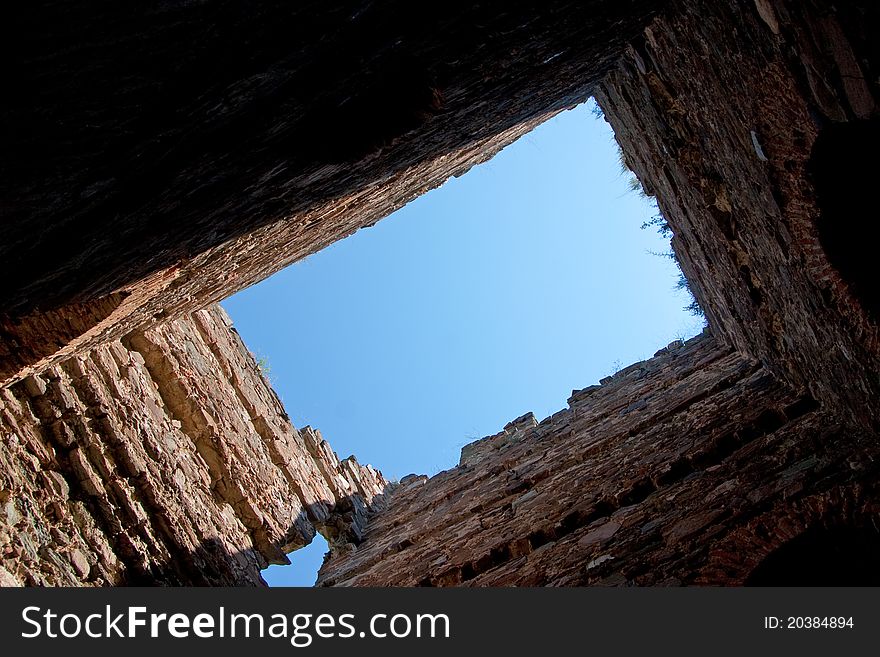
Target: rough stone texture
<point x="142" y="447"/>
<point x="718" y="109"/>
<point x="166" y="459"/>
<point x="676" y="471"/>
<point x="170" y="155"/>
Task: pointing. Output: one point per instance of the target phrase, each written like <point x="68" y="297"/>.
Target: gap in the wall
<point x="494" y="295"/>
<point x="303" y="568"/>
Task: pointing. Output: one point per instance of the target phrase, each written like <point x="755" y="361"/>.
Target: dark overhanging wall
<point x="173" y="154"/>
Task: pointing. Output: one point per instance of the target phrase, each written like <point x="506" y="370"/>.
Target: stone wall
<point x="165" y="459"/>
<point x="142" y="445"/>
<point x="688" y="468"/>
<point x="188" y="162"/>
<point x="718" y="108"/>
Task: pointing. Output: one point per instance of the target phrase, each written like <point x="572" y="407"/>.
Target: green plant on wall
<point x="658" y="221"/>
<point x="264" y="367"/>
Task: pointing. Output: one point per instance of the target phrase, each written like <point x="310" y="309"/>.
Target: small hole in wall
<point x="303" y="568"/>
<point x="496" y="294"/>
<point x="845" y="177"/>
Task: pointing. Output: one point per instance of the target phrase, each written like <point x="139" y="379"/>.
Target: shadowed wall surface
<point x="171" y="154"/>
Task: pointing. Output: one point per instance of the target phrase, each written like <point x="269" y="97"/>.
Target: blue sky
<point x="496" y="294"/>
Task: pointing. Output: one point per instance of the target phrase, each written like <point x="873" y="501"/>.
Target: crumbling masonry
<point x="140" y="442"/>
